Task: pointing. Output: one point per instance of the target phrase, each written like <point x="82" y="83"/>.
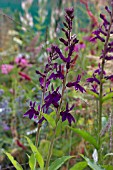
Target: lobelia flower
<point x="67" y="115"/>
<point x="76" y="84"/>
<point x="99" y="70"/>
<point x="94" y="88"/>
<point x="52" y="98"/>
<point x="93" y="79"/>
<point x="70" y="40"/>
<point x="59" y="74"/>
<point x="32" y="113"/>
<point x="43" y="82"/>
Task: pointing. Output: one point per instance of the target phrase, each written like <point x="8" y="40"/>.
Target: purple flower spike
<point x="31" y="112"/>
<point x="76" y="84"/>
<point x="69" y="12"/>
<point x="66" y="115"/>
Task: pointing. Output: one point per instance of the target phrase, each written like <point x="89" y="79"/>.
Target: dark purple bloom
<point x="111" y="43"/>
<point x="102" y="32"/>
<point x="65" y="24"/>
<point x="108" y="10"/>
<point x="109" y="77"/>
<point x="64" y="41"/>
<point x="104" y="19"/>
<point x="59" y="74"/>
<point x="97" y="37"/>
<point x="107" y="57"/>
<point x="99" y="70"/>
<point x="58" y="51"/>
<point x="41" y="120"/>
<point x="52" y="98"/>
<point x="31" y="112"/>
<point x="93" y="79"/>
<point x="41" y="74"/>
<point x="96" y="32"/>
<point x="76" y="84"/>
<point x="69" y="12"/>
<point x="66" y="115"/>
<point x="43" y="82"/>
<point x="94" y="88"/>
<point x="66" y="33"/>
<point x="100" y="38"/>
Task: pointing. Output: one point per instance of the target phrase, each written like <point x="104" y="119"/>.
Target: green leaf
<point x="38" y="156"/>
<point x="50" y="119"/>
<point x="86" y="136"/>
<point x="109" y="154"/>
<point x="92" y="164"/>
<point x="92" y="93"/>
<point x="32" y="161"/>
<point x="59" y="162"/>
<point x="108" y="167"/>
<point x="79" y="166"/>
<point x="14" y="162"/>
<point x="107" y="97"/>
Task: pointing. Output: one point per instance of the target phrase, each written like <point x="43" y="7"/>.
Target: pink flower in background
<point x="79" y="46"/>
<point x="21" y="61"/>
<point x="6" y="68"/>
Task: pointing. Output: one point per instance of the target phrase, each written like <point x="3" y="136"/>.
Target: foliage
<point x="56" y="87"/>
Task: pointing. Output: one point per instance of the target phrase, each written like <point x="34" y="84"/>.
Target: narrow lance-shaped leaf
<point x="59" y="162"/>
<point x="92" y="164"/>
<point x="14" y="162"/>
<point x="107" y="97"/>
<point x="79" y="166"/>
<point x="50" y="119"/>
<point x="86" y="136"/>
<point x="38" y="156"/>
<point x="32" y="161"/>
<point x="92" y="93"/>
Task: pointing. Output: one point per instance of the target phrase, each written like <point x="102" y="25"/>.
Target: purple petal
<point x="41" y="120"/>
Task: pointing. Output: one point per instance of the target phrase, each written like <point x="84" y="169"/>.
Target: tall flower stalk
<point x="53" y="70"/>
<point x="103" y="34"/>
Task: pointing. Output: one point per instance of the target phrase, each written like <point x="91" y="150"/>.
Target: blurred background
<point x="27" y="30"/>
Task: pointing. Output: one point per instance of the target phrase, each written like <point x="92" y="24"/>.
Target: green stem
<point x="39" y="124"/>
<point x="51" y="149"/>
<point x="37" y="134"/>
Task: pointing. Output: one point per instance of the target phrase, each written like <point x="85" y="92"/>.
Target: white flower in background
<point x="29" y="19"/>
<point x="26" y="4"/>
<point x="95" y="156"/>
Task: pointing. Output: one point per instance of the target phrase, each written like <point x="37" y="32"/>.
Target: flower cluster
<point x="53" y="97"/>
<point x="103" y="34"/>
